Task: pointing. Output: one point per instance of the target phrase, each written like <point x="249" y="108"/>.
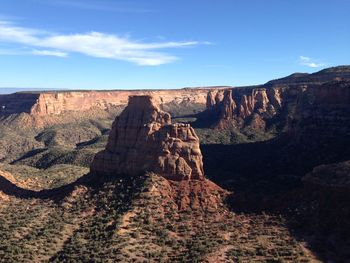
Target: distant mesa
<point x="339" y="73"/>
<point x="143" y="139"/>
<point x="46" y="108"/>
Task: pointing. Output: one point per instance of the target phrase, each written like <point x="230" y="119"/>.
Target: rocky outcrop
<point x="280" y="104"/>
<point x="239" y="107"/>
<point x="291" y="108"/>
<point x="144" y="139"/>
<point x="215" y="97"/>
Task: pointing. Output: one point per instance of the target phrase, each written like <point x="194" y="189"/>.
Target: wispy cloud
<point x="49" y="53"/>
<point x="309" y="62"/>
<point x="94" y="44"/>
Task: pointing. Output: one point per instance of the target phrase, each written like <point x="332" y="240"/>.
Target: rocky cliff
<point x="144" y="139"/>
<point x="238" y="107"/>
<point x="281" y="103"/>
<point x="58" y="102"/>
<point x="287" y="107"/>
<point x="43" y="109"/>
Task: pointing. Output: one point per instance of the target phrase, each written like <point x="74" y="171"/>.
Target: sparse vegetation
<point x="135" y="218"/>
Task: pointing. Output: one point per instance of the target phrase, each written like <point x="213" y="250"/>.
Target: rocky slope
<point x="137" y="219"/>
<point x="323" y="210"/>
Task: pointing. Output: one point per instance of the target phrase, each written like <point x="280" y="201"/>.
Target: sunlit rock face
<point x="289" y="107"/>
<point x="240" y="107"/>
<point x="143" y="139"/>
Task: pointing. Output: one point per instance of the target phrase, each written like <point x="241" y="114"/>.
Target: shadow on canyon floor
<point x="282" y="156"/>
<point x="55" y="194"/>
<point x="266" y="177"/>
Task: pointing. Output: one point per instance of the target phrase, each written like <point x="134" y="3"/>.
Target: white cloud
<point x="49" y="53"/>
<point x="309" y="62"/>
<point x="11" y="33"/>
<point x="94" y="44"/>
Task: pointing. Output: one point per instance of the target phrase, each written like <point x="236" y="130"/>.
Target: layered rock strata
<point x="43" y="109"/>
<point x="59" y="102"/>
<point x="144" y="139"/>
<point x="239" y="107"/>
<point x="289" y="107"/>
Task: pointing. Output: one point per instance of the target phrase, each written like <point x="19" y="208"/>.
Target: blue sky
<point x="136" y="44"/>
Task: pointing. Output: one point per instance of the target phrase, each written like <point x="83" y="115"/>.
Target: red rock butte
<point x="143" y="139"/>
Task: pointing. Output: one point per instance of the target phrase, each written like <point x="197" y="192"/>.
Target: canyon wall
<point x="246" y="106"/>
<point x="234" y="108"/>
<point x="37" y="110"/>
<point x="258" y="107"/>
<point x="56" y="103"/>
<point x="323" y="111"/>
<point x="287" y="106"/>
<point x="294" y="102"/>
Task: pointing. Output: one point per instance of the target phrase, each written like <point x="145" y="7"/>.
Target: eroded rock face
<point x="239" y="107"/>
<point x="144" y="139"/>
<point x="44" y="109"/>
<point x="56" y="103"/>
<point x="317" y="107"/>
